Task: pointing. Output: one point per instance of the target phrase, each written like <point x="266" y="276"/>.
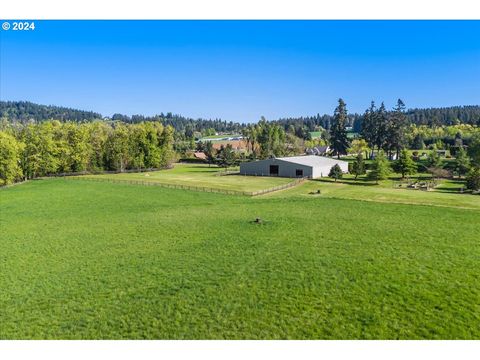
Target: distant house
<point x="200" y="155"/>
<point x="319" y="150"/>
<point x="310" y="166"/>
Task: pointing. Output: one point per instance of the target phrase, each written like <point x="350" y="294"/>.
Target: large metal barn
<point x="310" y="166"/>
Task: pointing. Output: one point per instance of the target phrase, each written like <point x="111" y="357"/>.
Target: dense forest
<point x="24" y="111"/>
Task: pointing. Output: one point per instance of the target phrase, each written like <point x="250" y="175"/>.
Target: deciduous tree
<point x="10" y="155"/>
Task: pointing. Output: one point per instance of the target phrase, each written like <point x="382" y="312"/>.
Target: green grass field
<point x="315" y="134"/>
<point x="318" y="134"/>
<point x="201" y="175"/>
<point x="217" y="137"/>
<point x="94" y="260"/>
<point x="445" y="195"/>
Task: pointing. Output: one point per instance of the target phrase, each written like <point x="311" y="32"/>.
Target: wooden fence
<point x="189" y="187"/>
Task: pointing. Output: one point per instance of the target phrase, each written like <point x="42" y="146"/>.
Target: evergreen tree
<point x="405" y="164"/>
<point x="418" y="143"/>
<point x="397" y="123"/>
<point x="434" y="160"/>
<point x="474" y="150"/>
<point x="226" y="156"/>
<point x="382" y="127"/>
<point x="369" y="126"/>
<point x="462" y="162"/>
<point x="335" y="172"/>
<point x="473" y="179"/>
<point x="380" y="168"/>
<point x="358" y="166"/>
<point x="209" y="152"/>
<point x="338" y="133"/>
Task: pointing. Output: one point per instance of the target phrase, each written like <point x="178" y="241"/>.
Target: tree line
<point x="187" y="128"/>
<point x="431" y="117"/>
<point x="28" y="151"/>
<point x="385" y="133"/>
<point x="24" y="111"/>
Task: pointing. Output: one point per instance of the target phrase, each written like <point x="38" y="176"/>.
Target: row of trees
<point x="266" y="139"/>
<point x="431" y="117"/>
<point x="381" y="167"/>
<point x="34" y="150"/>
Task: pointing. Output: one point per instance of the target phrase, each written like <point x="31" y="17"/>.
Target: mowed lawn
<point x="94" y="260"/>
<point x="202" y="175"/>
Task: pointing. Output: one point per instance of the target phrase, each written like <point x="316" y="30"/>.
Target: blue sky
<point x="241" y="70"/>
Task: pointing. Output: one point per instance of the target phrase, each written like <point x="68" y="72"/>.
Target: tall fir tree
<point x="338" y="132"/>
<point x="397" y="123"/>
<point x="369" y="128"/>
<point x="381" y="123"/>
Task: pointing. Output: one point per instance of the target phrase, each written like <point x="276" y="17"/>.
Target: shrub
<point x="473" y="179"/>
<point x="439" y="173"/>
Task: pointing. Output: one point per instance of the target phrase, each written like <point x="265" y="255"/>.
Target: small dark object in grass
<point x="315" y="192"/>
<point x="259" y="221"/>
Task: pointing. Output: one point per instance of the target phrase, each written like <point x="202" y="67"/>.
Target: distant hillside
<point x="25" y="111"/>
<point x="184" y="124"/>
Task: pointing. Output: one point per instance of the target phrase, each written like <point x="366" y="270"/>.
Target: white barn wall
<point x="288" y="166"/>
<point x="323" y="171"/>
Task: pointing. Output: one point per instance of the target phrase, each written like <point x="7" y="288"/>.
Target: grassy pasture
<point x="110" y="261"/>
<point x="203" y="176"/>
<point x="218" y="137"/>
<point x="445" y="195"/>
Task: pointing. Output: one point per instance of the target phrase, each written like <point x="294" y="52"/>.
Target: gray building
<point x="310" y="166"/>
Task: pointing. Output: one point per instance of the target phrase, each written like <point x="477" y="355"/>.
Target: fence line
<point x="189" y="187"/>
<point x="104" y="172"/>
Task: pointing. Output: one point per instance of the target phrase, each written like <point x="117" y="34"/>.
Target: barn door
<point x="274" y="170"/>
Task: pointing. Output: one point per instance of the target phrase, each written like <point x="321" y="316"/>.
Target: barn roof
<point x="312" y="160"/>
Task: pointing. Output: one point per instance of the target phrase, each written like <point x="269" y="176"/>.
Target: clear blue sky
<point x="240" y="70"/>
